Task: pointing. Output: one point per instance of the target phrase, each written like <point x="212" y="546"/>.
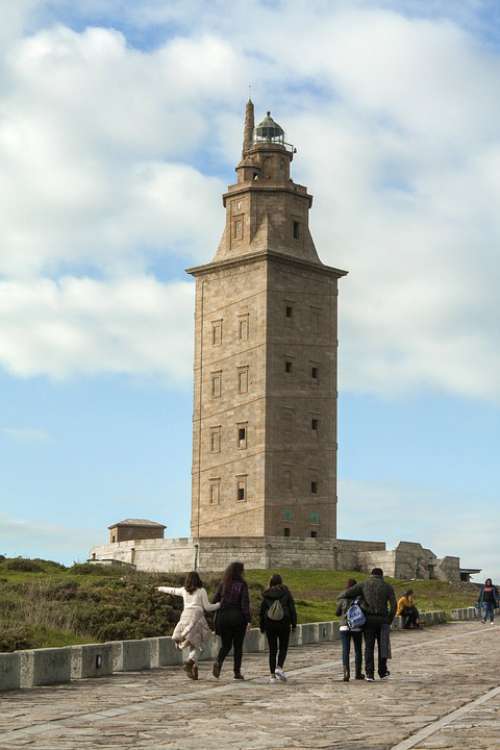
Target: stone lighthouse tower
<point x="265" y="369"/>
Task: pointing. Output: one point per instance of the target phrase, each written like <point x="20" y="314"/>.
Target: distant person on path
<point x="488" y="600"/>
<point x="408" y="611"/>
<point x="233" y="618"/>
<point x="379" y="604"/>
<point x="277" y="617"/>
<point x="348" y="636"/>
<point x="192" y="629"/>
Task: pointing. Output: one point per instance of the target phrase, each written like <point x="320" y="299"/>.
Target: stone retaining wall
<point x="46" y="666"/>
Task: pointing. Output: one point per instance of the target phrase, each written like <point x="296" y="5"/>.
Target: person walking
<point x="348" y="636"/>
<point x="408" y="611"/>
<point x="277" y="616"/>
<point x="379" y="604"/>
<point x="233" y="618"/>
<point x="192" y="630"/>
<point x="488" y="600"/>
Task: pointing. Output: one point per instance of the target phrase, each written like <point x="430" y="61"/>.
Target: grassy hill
<point x="43" y="603"/>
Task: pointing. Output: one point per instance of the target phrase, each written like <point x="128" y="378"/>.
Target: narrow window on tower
<point x="214" y="491"/>
<point x="217" y="332"/>
<point x="296" y="230"/>
<point x="288" y="310"/>
<point x="216" y="384"/>
<point x="288" y="365"/>
<point x="315" y="425"/>
<point x="242" y="435"/>
<point x="315" y="373"/>
<point x="238" y="228"/>
<point x="243" y="327"/>
<point x="241" y="488"/>
<point x="215" y="439"/>
<point x="314" y="487"/>
<point x="242" y="379"/>
<point x="286" y="531"/>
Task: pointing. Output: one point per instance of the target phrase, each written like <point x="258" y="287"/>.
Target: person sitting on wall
<point x="408" y="611"/>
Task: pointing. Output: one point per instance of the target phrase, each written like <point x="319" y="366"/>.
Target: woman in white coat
<point x="192" y="629"/>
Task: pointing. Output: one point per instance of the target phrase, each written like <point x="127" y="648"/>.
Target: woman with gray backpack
<point x="277" y="617"/>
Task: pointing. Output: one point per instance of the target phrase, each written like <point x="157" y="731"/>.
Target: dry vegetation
<point x="44" y="604"/>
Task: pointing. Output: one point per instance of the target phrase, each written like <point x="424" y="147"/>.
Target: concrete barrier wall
<point x="46" y="666"/>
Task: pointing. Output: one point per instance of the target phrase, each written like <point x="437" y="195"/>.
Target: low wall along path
<point x="444" y="692"/>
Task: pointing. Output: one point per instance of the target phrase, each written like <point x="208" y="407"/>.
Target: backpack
<point x="355" y="616"/>
<point x="276" y="611"/>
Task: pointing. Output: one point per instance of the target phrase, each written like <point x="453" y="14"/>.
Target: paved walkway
<point x="443" y="693"/>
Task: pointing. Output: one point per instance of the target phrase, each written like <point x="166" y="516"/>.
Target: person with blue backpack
<point x="379" y="605"/>
<point x="352" y="621"/>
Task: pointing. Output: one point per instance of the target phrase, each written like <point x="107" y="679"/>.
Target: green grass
<point x="59" y="606"/>
<point x="316" y="590"/>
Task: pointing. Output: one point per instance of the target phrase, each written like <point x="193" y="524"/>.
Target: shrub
<point x="96" y="570"/>
<point x="23" y="565"/>
<point x="14" y="639"/>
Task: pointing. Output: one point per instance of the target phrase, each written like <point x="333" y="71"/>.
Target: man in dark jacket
<point x="379" y="604"/>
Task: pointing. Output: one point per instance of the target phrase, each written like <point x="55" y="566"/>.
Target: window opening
<point x="241" y="489"/>
<point x="242" y="436"/>
<point x="314" y="487"/>
<point x="286" y="531"/>
<point x="296" y="230"/>
<point x="243" y="380"/>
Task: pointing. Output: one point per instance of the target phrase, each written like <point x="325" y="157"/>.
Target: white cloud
<point x="78" y="325"/>
<point x="91" y="137"/>
<point x="105" y="150"/>
<point x="25" y="434"/>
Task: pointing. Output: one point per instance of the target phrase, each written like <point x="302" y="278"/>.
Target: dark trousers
<point x="372" y="636"/>
<point x="410" y="616"/>
<point x="278" y="637"/>
<point x="232" y="629"/>
<point x="357" y="638"/>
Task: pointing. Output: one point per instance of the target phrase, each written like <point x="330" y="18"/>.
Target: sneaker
<point x="370" y="679"/>
<point x="359" y="676"/>
<point x="188" y="668"/>
<point x="273" y="679"/>
<point x="280" y="674"/>
<point x="492" y="623"/>
<point x="238" y="676"/>
<point x="216" y="669"/>
<point x="385" y="676"/>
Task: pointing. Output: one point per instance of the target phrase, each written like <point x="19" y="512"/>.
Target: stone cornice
<point x="271" y="255"/>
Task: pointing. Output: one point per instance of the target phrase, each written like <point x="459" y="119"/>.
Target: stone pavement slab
<point x="434" y="673"/>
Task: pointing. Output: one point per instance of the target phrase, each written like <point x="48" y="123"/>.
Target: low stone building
<point x="135" y="529"/>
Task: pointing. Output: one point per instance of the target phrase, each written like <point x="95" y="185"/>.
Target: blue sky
<point x="120" y="125"/>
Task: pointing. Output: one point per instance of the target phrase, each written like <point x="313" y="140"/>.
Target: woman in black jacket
<point x="277" y="617"/>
